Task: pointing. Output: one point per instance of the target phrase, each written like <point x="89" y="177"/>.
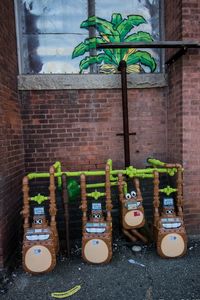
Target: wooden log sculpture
<point x="169" y="229"/>
<point x="97" y="231"/>
<point x="132" y="211"/>
<point x="40" y="242"/>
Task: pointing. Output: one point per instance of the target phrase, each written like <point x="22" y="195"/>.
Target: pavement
<point x="148" y="277"/>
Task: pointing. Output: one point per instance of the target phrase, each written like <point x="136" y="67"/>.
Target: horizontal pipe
<point x="158" y="44"/>
<point x="97" y="185"/>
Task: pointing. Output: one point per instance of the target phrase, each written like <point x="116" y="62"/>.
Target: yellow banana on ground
<point x="62" y="295"/>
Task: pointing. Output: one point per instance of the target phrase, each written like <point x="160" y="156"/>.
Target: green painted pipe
<point x="155" y="162"/>
<point x="130" y="171"/>
<point x="96" y="185"/>
<point x="57" y="167"/>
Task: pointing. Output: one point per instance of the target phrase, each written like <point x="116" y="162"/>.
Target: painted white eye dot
<point x="133" y="194"/>
<point x="128" y="196"/>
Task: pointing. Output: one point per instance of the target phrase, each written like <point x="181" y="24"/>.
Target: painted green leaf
<point x="142" y="57"/>
<point x="140" y="36"/>
<point x="127" y="24"/>
<point x="89" y="60"/>
<point x="116" y="20"/>
<point x="103" y="26"/>
<point x="112" y="56"/>
<point x="115" y="31"/>
<point x="87" y="45"/>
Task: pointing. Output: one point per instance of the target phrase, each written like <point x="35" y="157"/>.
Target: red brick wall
<point x="173" y="32"/>
<point x="79" y="128"/>
<point x="182" y="22"/>
<point x="191" y="114"/>
<point x="11" y="151"/>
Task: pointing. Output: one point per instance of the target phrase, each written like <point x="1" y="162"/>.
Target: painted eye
<point x="128" y="196"/>
<point x="133" y="194"/>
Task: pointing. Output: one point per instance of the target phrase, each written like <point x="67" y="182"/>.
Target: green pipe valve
<point x="96" y="195"/>
<point x="39" y="198"/>
<point x="168" y="190"/>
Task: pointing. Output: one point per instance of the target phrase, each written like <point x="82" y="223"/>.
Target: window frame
<point x="33" y="81"/>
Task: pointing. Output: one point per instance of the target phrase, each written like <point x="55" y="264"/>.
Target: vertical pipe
<point x="92" y="32"/>
<point x="122" y="68"/>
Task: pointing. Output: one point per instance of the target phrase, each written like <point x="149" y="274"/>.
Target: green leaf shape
<point x="87" y="45"/>
<point x="103" y="26"/>
<point x="90" y="43"/>
<point x="140" y="36"/>
<point x="127" y="24"/>
<point x="142" y="57"/>
<point x="116" y="19"/>
<point x="111" y="56"/>
<point x="89" y="60"/>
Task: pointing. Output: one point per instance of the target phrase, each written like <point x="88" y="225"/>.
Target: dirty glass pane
<point x="51" y="53"/>
<point x="50" y="31"/>
<point x="54" y="16"/>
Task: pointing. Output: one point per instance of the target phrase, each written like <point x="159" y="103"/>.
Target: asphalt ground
<point x="156" y="278"/>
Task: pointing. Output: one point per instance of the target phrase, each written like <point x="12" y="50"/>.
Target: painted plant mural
<point x="116" y="30"/>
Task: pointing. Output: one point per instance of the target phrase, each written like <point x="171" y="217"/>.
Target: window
<point x="59" y="36"/>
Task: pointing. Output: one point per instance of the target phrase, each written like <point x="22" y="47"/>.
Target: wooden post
<point x="137" y="187"/>
<point x="108" y="196"/>
<point x="52" y="207"/>
<point x="26" y="206"/>
<point x="156" y="198"/>
<point x="180" y="192"/>
<point x="83" y="200"/>
<point x="120" y="188"/>
<point x="66" y="212"/>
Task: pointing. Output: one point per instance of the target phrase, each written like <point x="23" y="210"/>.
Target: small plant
<point x="117" y="31"/>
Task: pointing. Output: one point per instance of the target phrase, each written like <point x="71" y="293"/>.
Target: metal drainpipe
<point x="122" y="68"/>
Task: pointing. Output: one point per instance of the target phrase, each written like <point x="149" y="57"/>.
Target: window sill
<point x="90" y="81"/>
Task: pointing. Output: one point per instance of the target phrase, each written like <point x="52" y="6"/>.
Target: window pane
<point x="50" y="16"/>
<point x="149" y="9"/>
<point x="50" y="31"/>
<point x="51" y="53"/>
